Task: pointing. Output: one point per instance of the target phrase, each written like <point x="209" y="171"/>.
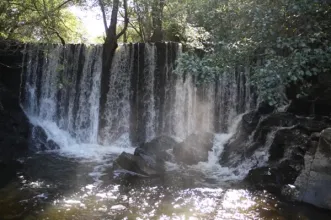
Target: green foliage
<point x="174" y="19"/>
<point x="204" y="70"/>
<point x="38" y="20"/>
<point x="284" y="42"/>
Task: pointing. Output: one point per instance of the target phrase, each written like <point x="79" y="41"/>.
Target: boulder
<point x="286" y="160"/>
<point x="52" y="145"/>
<point x="232" y="152"/>
<point x="145" y="166"/>
<point x="194" y="149"/>
<point x="284" y="138"/>
<point x="148" y="158"/>
<point x="313" y="183"/>
<point x="39" y="140"/>
<point x="248" y="139"/>
<point x="157" y="148"/>
<point x="253" y="135"/>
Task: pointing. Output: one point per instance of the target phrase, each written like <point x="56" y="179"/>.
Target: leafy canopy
<point x="45" y="20"/>
<point x="284" y="42"/>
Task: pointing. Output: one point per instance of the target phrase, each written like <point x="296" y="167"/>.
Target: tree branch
<point x="103" y="15"/>
<point x="134" y="28"/>
<point x="126" y="19"/>
<point x="58" y="35"/>
<point x="142" y="27"/>
<point x="61" y="5"/>
<point x="138" y="32"/>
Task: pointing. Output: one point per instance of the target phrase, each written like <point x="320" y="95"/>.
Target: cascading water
<point x="61" y="90"/>
<point x="62" y="86"/>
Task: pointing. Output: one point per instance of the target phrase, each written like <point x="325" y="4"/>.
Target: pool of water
<point x="49" y="185"/>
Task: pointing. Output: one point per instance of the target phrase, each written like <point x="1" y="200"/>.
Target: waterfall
<point x="61" y="85"/>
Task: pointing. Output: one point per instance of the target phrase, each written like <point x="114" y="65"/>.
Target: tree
<point x="289" y="38"/>
<point x="109" y="48"/>
<point x="158" y="20"/>
<point x="42" y="20"/>
<point x="157" y="17"/>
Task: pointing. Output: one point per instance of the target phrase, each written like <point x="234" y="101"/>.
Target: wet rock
<point x="272" y="178"/>
<point x="194" y="149"/>
<point x="148" y="158"/>
<point x="298" y="166"/>
<point x="14" y="133"/>
<point x="263" y="178"/>
<point x="233" y="149"/>
<point x="314" y="181"/>
<point x="39" y="140"/>
<point x="313" y="124"/>
<point x="157" y="148"/>
<point x="14" y="127"/>
<point x="51" y="145"/>
<point x="145" y="165"/>
<point x="253" y="135"/>
<point x="289" y="191"/>
<point x="248" y="140"/>
<point x="285" y="162"/>
<point x="315" y="136"/>
<point x="290" y="144"/>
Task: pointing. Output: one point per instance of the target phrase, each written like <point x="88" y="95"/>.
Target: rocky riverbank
<point x="290" y="148"/>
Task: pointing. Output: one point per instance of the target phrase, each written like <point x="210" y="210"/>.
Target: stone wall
<point x="14" y="125"/>
<point x="11" y="65"/>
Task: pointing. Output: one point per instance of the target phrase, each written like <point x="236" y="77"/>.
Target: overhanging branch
<point x="103" y="15"/>
<point x="126" y="19"/>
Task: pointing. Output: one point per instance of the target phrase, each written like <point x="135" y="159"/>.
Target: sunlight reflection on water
<point x="144" y="201"/>
<point x="157" y="203"/>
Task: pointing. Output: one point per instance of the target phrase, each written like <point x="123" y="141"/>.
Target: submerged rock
<point x="194" y="149"/>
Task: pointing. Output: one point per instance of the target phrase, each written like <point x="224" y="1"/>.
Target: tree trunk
<point x="109" y="48"/>
<point x="157" y="17"/>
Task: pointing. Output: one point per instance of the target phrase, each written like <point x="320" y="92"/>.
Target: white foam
<point x="212" y="168"/>
<point x="71" y="148"/>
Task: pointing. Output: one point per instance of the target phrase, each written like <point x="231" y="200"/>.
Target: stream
<point x="56" y="185"/>
<point x="61" y="93"/>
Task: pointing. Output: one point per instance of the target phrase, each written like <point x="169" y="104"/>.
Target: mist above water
<point x="146" y="98"/>
<point x="61" y="93"/>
